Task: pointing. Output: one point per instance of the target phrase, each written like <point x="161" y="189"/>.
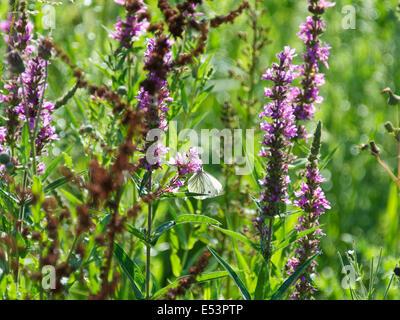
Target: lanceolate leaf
<point x="182" y="194"/>
<point x="129" y="268"/>
<point x="195" y="218"/>
<point x="293" y="238"/>
<point x="185" y="218"/>
<point x="145" y="179"/>
<point x="26" y="148"/>
<point x="243" y="290"/>
<point x="280" y="293"/>
<point x="161" y="229"/>
<point x="237" y="236"/>
<point x="60" y="182"/>
<point x="136" y="232"/>
<point x="8" y="195"/>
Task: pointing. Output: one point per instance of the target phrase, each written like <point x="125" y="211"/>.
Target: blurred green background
<point x="363" y="61"/>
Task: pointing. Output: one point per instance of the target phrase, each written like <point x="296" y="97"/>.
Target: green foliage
<point x="364" y="202"/>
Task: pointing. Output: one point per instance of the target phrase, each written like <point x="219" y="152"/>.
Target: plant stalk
<point x="148" y="247"/>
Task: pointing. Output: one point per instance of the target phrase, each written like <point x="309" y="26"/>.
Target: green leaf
<point x="181" y="194"/>
<point x="237" y="236"/>
<point x="145" y="179"/>
<point x="164" y="290"/>
<point x="129" y="268"/>
<point x="72" y="117"/>
<point x="243" y="290"/>
<point x="280" y="293"/>
<point x="26" y="147"/>
<point x="212" y="276"/>
<point x="52" y="166"/>
<point x="391" y="218"/>
<point x="184" y="98"/>
<point x="261" y="283"/>
<point x="160" y="230"/>
<point x="196" y="218"/>
<point x="294" y="238"/>
<point x="328" y="158"/>
<point x="8" y="195"/>
<point x="60" y="182"/>
<point x="185" y="218"/>
<point x="71" y="197"/>
<point x="137" y="233"/>
<point x="176" y="264"/>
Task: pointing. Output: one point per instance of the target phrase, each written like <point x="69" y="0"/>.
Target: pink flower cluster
<point x="316" y="51"/>
<point x="185" y="163"/>
<point x="279" y="128"/>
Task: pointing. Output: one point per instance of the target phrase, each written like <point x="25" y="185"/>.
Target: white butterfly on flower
<point x="204" y="183"/>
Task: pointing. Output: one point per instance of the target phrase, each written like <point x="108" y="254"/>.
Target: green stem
<point x="36" y="125"/>
<point x="148" y="247"/>
<point x="12" y="23"/>
<point x="72" y="249"/>
<point x="270" y="230"/>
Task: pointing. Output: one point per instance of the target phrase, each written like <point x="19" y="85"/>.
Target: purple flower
<point x="185" y="163"/>
<point x="161" y="86"/>
<point x="134" y="26"/>
<point x="316" y="52"/>
<point x="23" y="95"/>
<point x="153" y="96"/>
<point x="311" y="199"/>
<point x="157" y="156"/>
<point x="279" y="127"/>
<point x="21" y="34"/>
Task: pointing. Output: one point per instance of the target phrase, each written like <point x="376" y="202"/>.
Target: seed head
<point x="4" y="158"/>
<point x="15" y="62"/>
<point x="374" y="148"/>
<point x="389" y="127"/>
<point x="45" y="47"/>
<point x="393" y="98"/>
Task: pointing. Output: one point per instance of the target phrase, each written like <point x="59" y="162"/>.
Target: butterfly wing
<point x="211" y="185"/>
<point x="205" y="183"/>
<point x="196" y="185"/>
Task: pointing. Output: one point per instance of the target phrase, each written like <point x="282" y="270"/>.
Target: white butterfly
<point x="205" y="183"/>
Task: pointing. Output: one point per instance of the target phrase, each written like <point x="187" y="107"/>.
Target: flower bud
<point x="86" y="129"/>
<point x="397" y="134"/>
<point x="4" y="158"/>
<point x="374" y="148"/>
<point x="389" y="127"/>
<point x="10" y="167"/>
<point x="393" y="98"/>
<point x="44" y="50"/>
<point x="122" y="91"/>
<point x="242" y="35"/>
<point x="15" y="62"/>
<point x="397" y="271"/>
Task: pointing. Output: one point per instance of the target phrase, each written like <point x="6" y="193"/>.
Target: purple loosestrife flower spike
<point x="311" y="199"/>
<point x="279" y="130"/>
<point x="21" y="33"/>
<point x="135" y="24"/>
<point x="24" y="94"/>
<point x="156" y="106"/>
<point x="316" y="51"/>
